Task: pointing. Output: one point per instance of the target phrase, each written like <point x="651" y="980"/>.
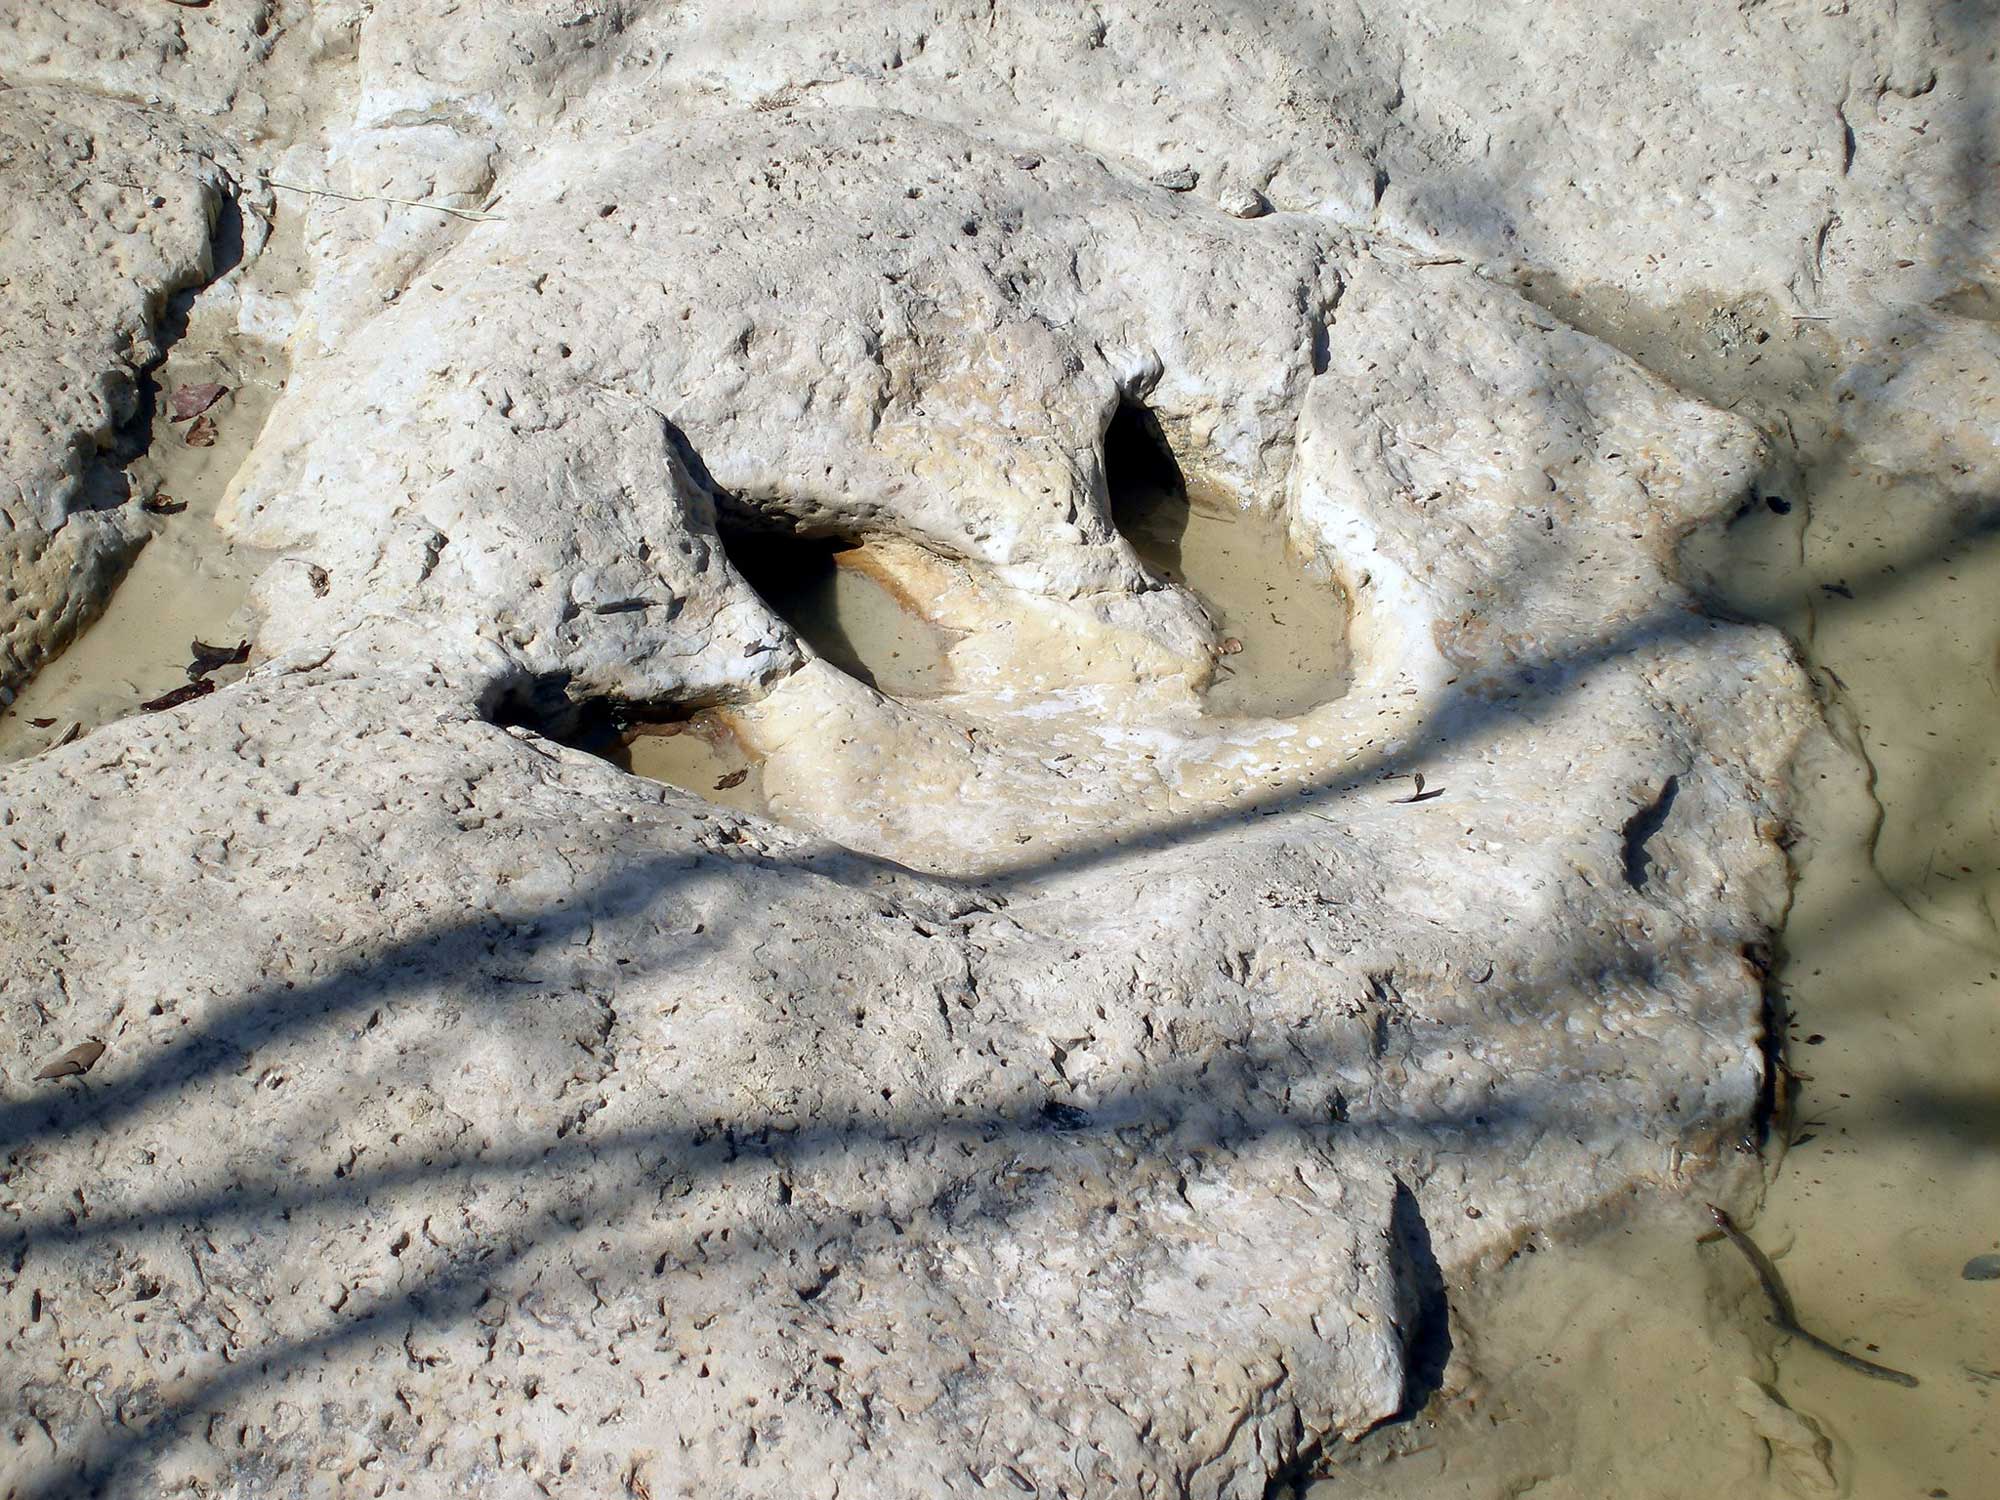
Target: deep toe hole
<point x="1282" y="617"/>
<point x="1139" y="467"/>
<point x="837" y="600"/>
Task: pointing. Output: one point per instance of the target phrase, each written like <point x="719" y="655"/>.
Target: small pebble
<point x="1244" y="203"/>
<point x="1177" y="179"/>
<point x="1982" y="1268"/>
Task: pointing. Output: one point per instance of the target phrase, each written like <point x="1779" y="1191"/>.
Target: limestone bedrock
<point x="1066" y="1089"/>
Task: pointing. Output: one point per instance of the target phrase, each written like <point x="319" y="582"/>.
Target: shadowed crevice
<point x="1145" y="486"/>
<point x="1426" y="1307"/>
<point x="1640" y="828"/>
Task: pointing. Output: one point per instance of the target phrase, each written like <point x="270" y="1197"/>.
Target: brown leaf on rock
<point x="193" y="400"/>
<point x="200" y="433"/>
<point x="178" y="696"/>
<point x="74" y="1063"/>
<point x="1420" y="795"/>
<point x="734" y="778"/>
<point x="43" y="723"/>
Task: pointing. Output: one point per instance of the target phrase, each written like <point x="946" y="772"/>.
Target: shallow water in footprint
<point x="699" y="756"/>
<point x="1284" y="624"/>
<point x="1286" y="616"/>
<point x="188" y="582"/>
<point x="845" y="608"/>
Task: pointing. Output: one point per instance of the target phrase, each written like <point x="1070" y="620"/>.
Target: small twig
<point x="478" y="215"/>
<point x="1782" y="1312"/>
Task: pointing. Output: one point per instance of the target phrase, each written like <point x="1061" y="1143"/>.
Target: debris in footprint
<point x="200" y="433"/>
<point x="74" y="1063"/>
<point x="178" y="696"/>
<point x="211" y="658"/>
<point x="192" y="400"/>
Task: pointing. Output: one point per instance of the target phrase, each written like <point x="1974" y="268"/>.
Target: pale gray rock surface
<point x="554" y="1132"/>
<point x="1068" y="1092"/>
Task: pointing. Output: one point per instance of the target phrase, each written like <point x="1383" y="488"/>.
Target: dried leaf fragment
<point x="193" y="400"/>
<point x="200" y="433"/>
<point x="74" y="1063"/>
<point x="43" y="723"/>
<point x="162" y="504"/>
<point x="1420" y="795"/>
<point x="210" y="658"/>
<point x="734" y="778"/>
<point x="177" y="696"/>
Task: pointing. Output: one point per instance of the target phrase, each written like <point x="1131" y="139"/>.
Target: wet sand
<point x="1891" y="970"/>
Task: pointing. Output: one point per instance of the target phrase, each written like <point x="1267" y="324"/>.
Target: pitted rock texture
<point x="558" y="1133"/>
<point x="1066" y="1091"/>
